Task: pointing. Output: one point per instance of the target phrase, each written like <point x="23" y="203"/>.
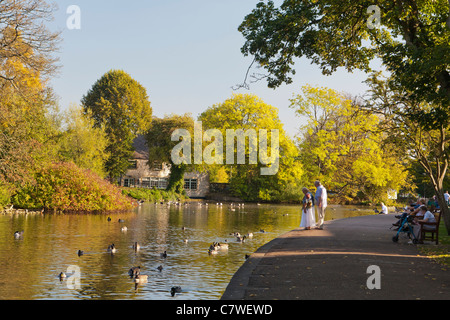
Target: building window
<point x="132" y="164"/>
<point x="157" y="166"/>
<point x="163" y="183"/>
<point x="145" y="182"/>
<point x="190" y="184"/>
<point x="157" y="183"/>
<point x="127" y="182"/>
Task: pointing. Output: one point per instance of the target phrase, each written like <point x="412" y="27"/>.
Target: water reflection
<point x="29" y="266"/>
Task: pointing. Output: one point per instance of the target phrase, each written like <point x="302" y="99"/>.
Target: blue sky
<point x="186" y="53"/>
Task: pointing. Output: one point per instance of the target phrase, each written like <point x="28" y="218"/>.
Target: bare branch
<point x="254" y="76"/>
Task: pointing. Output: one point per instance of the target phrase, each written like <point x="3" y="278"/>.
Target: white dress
<point x="308" y="218"/>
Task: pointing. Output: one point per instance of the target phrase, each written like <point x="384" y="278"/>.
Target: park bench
<point x="430" y="234"/>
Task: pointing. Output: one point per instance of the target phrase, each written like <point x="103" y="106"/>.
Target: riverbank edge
<point x="235" y="289"/>
<point x="19" y="211"/>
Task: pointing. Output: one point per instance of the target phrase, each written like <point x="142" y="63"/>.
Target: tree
<point x="26" y="129"/>
<point x="426" y="143"/>
<point x="161" y="146"/>
<point x="412" y="41"/>
<point x="120" y="105"/>
<point x="25" y="38"/>
<point x="250" y="114"/>
<point x="83" y="143"/>
<point x="342" y="146"/>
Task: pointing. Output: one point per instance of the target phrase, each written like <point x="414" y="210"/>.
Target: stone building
<point x="141" y="175"/>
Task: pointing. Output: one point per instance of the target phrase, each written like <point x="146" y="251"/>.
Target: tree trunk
<point x="445" y="210"/>
<point x="438" y="174"/>
<point x="437" y="179"/>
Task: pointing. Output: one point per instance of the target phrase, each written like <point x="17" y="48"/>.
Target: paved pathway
<point x="332" y="264"/>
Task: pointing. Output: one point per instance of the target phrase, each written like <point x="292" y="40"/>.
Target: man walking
<point x="320" y="203"/>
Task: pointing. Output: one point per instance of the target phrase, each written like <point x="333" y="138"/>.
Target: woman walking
<point x="308" y="217"/>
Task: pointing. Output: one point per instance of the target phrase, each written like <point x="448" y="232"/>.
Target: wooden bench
<point x="432" y="231"/>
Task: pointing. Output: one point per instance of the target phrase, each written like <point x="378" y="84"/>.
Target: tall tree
<point x="250" y="114"/>
<point x="342" y="146"/>
<point x="83" y="143"/>
<point x="411" y="38"/>
<point x="120" y="105"/>
<point x="25" y="38"/>
<point x="27" y="60"/>
<point x="425" y="142"/>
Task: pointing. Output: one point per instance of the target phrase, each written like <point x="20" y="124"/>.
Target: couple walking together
<point x="308" y="203"/>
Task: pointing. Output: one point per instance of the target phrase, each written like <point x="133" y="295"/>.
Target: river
<point x="30" y="265"/>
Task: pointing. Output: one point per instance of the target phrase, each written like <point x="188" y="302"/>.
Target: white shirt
<point x="384" y="209"/>
<point x="321" y="193"/>
<point x="428" y="215"/>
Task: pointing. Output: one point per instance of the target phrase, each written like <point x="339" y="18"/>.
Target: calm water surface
<point x="29" y="266"/>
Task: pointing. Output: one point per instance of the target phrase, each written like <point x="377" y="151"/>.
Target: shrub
<point x="5" y="196"/>
<point x="66" y="187"/>
<point x="152" y="195"/>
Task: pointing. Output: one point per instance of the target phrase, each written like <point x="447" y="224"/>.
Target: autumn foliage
<point x="64" y="187"/>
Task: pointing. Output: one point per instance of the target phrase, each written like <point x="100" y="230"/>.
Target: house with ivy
<point x="142" y="174"/>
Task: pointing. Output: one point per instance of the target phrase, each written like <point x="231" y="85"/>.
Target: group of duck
<point x="134" y="272"/>
<point x="216" y="247"/>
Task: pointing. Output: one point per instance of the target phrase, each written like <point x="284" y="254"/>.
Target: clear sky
<point x="186" y="53"/>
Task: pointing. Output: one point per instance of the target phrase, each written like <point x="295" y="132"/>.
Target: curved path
<point x="333" y="264"/>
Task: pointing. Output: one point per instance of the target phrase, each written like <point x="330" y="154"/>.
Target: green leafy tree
<point x="342" y="146"/>
<point x="411" y="38"/>
<point x="247" y="112"/>
<point x="82" y="142"/>
<point x="120" y="105"/>
<point x="424" y="142"/>
<point x="27" y="133"/>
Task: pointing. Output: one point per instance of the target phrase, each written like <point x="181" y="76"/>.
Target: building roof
<point x="140" y="148"/>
